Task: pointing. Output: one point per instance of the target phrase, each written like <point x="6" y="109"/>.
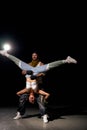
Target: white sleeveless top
<point x="32" y="84"/>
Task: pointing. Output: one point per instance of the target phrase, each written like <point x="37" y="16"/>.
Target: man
<point x="31" y="97"/>
<point x="37" y="70"/>
<point x="36" y="62"/>
<point x="39" y="98"/>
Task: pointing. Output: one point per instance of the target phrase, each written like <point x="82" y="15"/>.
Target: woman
<point x="38" y="69"/>
<point x="32" y="88"/>
<point x="31" y="82"/>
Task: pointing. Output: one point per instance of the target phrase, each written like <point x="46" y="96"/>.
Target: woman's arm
<point x="44" y="93"/>
<point x="25" y="90"/>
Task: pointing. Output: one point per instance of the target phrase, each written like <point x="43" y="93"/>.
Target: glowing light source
<point x="6" y="46"/>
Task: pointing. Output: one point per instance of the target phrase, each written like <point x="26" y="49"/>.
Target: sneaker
<point x="45" y="120"/>
<point x="3" y="52"/>
<point x="71" y="60"/>
<point x="18" y="116"/>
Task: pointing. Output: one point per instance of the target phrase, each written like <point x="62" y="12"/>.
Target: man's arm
<point x="41" y="74"/>
<point x="24" y="72"/>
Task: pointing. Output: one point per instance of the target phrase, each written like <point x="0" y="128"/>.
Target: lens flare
<point x="6" y="46"/>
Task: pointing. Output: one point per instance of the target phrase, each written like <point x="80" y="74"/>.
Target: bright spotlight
<point x="6" y="46"/>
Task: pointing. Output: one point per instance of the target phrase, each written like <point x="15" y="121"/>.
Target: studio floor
<point x="57" y="120"/>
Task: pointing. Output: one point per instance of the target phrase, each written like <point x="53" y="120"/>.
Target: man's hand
<point x="40" y="74"/>
<point x="24" y="72"/>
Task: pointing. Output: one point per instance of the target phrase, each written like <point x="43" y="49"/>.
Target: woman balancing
<point x="38" y="69"/>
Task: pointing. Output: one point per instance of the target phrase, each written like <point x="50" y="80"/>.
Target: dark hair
<point x="36" y="53"/>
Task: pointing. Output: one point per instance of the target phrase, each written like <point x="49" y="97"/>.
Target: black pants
<point x="23" y="101"/>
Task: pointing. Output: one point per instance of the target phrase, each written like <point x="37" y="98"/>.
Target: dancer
<point x="36" y="62"/>
<point x="32" y="73"/>
<point x="38" y="69"/>
<point x="32" y="86"/>
<point x="39" y="77"/>
<point x="32" y="93"/>
<point x="31" y="97"/>
<point x="42" y="96"/>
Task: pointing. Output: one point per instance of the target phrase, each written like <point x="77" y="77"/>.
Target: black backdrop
<point x="53" y="37"/>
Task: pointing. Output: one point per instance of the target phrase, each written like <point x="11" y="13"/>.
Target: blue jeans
<point x="38" y="69"/>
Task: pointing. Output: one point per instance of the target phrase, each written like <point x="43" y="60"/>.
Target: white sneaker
<point x="71" y="60"/>
<point x="3" y="52"/>
<point x="18" y="116"/>
<point x="45" y="120"/>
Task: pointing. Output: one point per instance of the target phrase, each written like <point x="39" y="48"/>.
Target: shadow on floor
<point x="30" y="116"/>
<point x="58" y="112"/>
<point x="55" y="112"/>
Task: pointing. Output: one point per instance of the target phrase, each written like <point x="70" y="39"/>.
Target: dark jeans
<point x="24" y="99"/>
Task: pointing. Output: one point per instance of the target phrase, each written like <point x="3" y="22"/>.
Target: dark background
<point x="54" y="34"/>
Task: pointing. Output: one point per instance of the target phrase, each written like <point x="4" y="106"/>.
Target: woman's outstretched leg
<point x="60" y="62"/>
<point x="22" y="65"/>
<point x="38" y="69"/>
<point x="54" y="64"/>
